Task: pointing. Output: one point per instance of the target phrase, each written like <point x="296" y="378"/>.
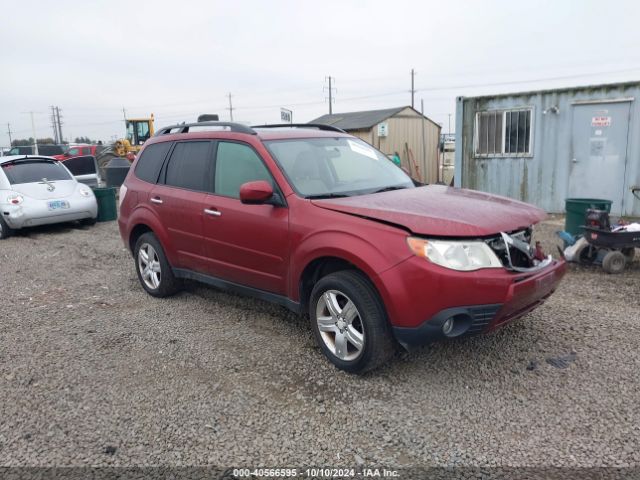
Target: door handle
<point x="214" y="213"/>
<point x="156" y="200"/>
<point x="574" y="160"/>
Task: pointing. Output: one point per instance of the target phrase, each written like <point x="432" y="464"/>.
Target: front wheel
<point x="5" y="230"/>
<point x="349" y="322"/>
<point x="154" y="272"/>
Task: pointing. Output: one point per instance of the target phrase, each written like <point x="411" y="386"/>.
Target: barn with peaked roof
<point x="404" y="130"/>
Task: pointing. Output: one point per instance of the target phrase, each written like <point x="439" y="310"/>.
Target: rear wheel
<point x="629" y="253"/>
<point x="349" y="322"/>
<point x="88" y="222"/>
<point x="587" y="254"/>
<point x="614" y="262"/>
<point x="5" y="230"/>
<point x="154" y="272"/>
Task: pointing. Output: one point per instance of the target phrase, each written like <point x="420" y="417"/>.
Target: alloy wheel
<point x="340" y="325"/>
<point x="149" y="266"/>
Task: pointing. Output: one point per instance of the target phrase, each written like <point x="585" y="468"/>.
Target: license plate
<point x="57" y="204"/>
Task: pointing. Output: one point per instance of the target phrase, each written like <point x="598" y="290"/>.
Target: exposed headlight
<point x="454" y="254"/>
<point x="15" y="199"/>
<point x="84" y="191"/>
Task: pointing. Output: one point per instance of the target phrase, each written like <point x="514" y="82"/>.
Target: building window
<point x="503" y="133"/>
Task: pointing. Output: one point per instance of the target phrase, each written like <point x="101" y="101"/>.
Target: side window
<point x="151" y="160"/>
<point x="237" y="164"/>
<point x="189" y="166"/>
<point x="74" y="151"/>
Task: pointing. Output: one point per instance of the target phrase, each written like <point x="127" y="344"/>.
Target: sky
<point x="180" y="59"/>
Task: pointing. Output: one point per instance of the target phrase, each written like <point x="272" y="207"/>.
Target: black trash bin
<point x="116" y="171"/>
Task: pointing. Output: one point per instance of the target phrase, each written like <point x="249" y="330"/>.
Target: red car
<point x="319" y="221"/>
<point x="77" y="151"/>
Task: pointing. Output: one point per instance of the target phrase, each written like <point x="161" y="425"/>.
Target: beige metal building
<point x="403" y="130"/>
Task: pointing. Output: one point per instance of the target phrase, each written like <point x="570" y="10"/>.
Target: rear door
<point x="179" y="197"/>
<point x="599" y="152"/>
<point x="245" y="244"/>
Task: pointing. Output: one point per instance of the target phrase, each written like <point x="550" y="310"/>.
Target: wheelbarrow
<point x="612" y="248"/>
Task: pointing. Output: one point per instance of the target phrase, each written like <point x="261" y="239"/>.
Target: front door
<point x="245" y="244"/>
<point x="599" y="152"/>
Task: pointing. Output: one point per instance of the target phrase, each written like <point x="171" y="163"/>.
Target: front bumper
<point x="420" y="297"/>
<point x="34" y="213"/>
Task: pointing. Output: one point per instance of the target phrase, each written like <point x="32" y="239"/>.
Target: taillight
<point x="15" y="199"/>
<point x="123" y="192"/>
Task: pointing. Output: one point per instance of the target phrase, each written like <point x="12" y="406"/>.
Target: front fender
<point x="372" y="258"/>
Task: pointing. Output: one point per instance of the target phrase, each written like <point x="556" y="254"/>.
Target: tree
<point x="84" y="140"/>
<point x="22" y="142"/>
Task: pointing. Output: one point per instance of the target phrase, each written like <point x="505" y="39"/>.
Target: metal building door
<point x="599" y="151"/>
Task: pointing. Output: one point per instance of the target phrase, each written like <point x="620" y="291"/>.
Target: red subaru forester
<point x="319" y="221"/>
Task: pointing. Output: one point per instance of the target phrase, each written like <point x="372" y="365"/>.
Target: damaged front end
<point x="516" y="252"/>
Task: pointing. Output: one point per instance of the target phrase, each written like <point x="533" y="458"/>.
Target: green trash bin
<point x="106" y="198"/>
<point x="577" y="209"/>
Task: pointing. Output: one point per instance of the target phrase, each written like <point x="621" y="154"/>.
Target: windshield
<point x="32" y="171"/>
<point x="336" y="167"/>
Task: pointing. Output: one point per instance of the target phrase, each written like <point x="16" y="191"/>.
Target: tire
<point x="614" y="262"/>
<point x="159" y="280"/>
<point x="5" y="230"/>
<point x="359" y="340"/>
<point x="629" y="253"/>
<point x="88" y="222"/>
<point x="587" y="254"/>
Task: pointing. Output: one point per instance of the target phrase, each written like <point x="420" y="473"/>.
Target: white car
<point x="37" y="190"/>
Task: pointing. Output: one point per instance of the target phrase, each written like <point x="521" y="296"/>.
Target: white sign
<point x="286" y="115"/>
<point x="600" y="121"/>
<point x="383" y="129"/>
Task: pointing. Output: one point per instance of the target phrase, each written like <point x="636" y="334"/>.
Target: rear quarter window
<point x="151" y="160"/>
<point x="189" y="166"/>
<point x="34" y="171"/>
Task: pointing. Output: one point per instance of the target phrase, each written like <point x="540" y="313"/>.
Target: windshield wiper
<point x="388" y="189"/>
<point x="327" y="195"/>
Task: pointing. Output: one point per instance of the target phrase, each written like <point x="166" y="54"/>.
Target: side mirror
<point x="256" y="193"/>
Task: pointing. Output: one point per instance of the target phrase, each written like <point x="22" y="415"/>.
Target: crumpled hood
<point x="440" y="211"/>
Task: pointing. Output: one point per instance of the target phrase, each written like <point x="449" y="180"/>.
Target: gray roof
<point x="529" y="93"/>
<point x="358" y="120"/>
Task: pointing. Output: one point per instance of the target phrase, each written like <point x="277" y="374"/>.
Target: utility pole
<point x="59" y="124"/>
<point x="230" y="107"/>
<point x="449" y="124"/>
<point x="424" y="144"/>
<point x="413" y="90"/>
<point x="9" y="133"/>
<point x="124" y="114"/>
<point x="331" y="79"/>
<point x="35" y="138"/>
<point x="54" y="124"/>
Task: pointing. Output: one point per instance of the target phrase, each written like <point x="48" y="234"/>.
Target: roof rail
<point x="184" y="127"/>
<point x="319" y="126"/>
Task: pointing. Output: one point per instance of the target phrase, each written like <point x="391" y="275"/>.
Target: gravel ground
<point x="95" y="372"/>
